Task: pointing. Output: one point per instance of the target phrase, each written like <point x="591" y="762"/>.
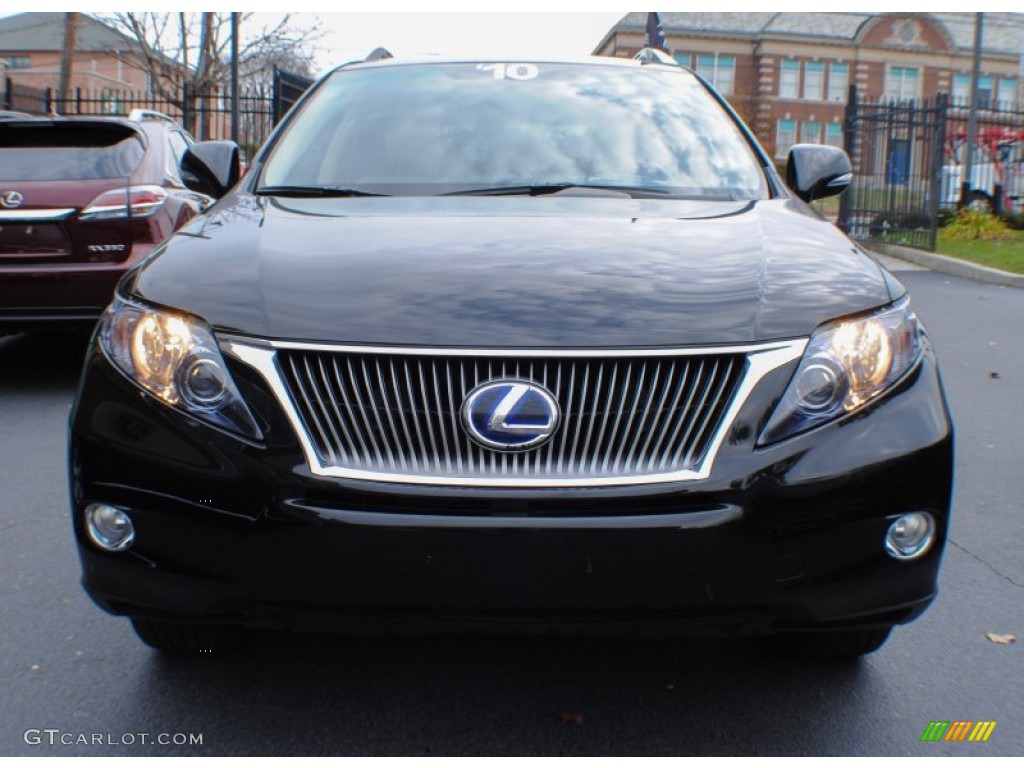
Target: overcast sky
<point x="494" y="35"/>
<point x="452" y="31"/>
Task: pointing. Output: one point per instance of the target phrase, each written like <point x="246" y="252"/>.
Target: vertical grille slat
<point x="390" y="413"/>
<point x="692" y="416"/>
<point x="657" y="417"/>
<point x="644" y="413"/>
<point x="679" y="417"/>
<point x="376" y="414"/>
<point x="703" y="429"/>
<point x="337" y="425"/>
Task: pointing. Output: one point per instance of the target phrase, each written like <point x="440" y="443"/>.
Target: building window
<point x="720" y="71"/>
<point x="1008" y="99"/>
<point x="17" y="62"/>
<point x="785" y="137"/>
<point x="789" y="79"/>
<point x="814" y="80"/>
<point x="903" y="84"/>
<point x="962" y="91"/>
<point x="810" y="132"/>
<point x="686" y="59"/>
<point x="838" y="82"/>
<point x="834" y="134"/>
<point x="985" y="92"/>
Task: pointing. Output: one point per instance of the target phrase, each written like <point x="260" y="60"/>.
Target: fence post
<point x="49" y="101"/>
<point x="849" y="144"/>
<point x="186" y="113"/>
<point x="7" y="93"/>
<point x="275" y="98"/>
<point x="938" y="158"/>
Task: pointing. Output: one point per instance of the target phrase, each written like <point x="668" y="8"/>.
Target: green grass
<point x="1006" y="254"/>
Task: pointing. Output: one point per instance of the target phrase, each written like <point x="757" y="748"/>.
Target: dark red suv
<point x="81" y="201"/>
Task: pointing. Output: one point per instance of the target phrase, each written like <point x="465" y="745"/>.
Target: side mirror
<point x="210" y="167"/>
<point x="817" y="170"/>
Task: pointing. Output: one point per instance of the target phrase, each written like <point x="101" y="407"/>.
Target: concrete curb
<point x="948" y="264"/>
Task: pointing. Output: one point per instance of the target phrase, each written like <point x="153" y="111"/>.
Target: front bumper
<point x="785" y="537"/>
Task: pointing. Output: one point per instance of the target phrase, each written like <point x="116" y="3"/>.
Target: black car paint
<point x="519" y="271"/>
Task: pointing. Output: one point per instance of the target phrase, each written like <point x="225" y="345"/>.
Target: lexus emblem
<point x="12" y="199"/>
<point x="510" y="415"/>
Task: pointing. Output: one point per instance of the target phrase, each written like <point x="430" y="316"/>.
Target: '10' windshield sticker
<point x="510" y="71"/>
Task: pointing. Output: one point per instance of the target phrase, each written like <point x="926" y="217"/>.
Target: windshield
<point x="450" y="128"/>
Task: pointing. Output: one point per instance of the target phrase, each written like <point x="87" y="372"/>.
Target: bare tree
<point x="194" y="48"/>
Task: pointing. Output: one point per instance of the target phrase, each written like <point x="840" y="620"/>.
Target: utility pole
<point x="234" y="77"/>
<point x="66" y="59"/>
<point x="203" y="67"/>
<point x="972" y="117"/>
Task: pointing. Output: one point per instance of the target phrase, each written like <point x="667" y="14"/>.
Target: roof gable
<point x="1003" y="32"/>
<point x="45" y="32"/>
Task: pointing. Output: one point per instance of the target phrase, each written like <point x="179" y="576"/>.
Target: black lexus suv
<point x="484" y="345"/>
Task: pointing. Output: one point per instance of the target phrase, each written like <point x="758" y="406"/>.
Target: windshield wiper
<point x="549" y="189"/>
<point x="298" y="191"/>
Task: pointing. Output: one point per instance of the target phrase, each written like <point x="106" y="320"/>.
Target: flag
<point x="654" y="37"/>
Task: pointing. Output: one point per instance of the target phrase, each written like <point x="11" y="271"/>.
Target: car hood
<point x="551" y="271"/>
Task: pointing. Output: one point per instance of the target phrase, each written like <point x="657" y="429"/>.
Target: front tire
<point x="838" y="645"/>
<point x="180" y="638"/>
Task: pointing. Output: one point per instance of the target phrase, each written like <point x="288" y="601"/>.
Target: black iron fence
<point x="23" y="98"/>
<point x="288" y="89"/>
<point x="896" y="150"/>
<point x="206" y="115"/>
<point x="909" y="164"/>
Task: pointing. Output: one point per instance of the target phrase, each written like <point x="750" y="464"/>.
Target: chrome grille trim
<point x="36" y="214"/>
<point x="405" y="450"/>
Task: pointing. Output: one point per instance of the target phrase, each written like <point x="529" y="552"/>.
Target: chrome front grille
<point x="391" y="414"/>
<point x="399" y="414"/>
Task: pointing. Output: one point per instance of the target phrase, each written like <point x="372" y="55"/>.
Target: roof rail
<point x="379" y="54"/>
<point x="654" y="56"/>
<point x="140" y="115"/>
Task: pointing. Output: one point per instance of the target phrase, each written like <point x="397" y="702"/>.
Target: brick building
<point x="788" y="74"/>
<point x="104" y="59"/>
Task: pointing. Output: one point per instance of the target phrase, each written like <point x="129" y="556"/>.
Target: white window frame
<point x="721" y="76"/>
<point x="902" y="83"/>
<point x="838" y="81"/>
<point x="814" y="81"/>
<point x="781" y="148"/>
<point x="789" y="90"/>
<point x="1007" y="96"/>
<point x="961" y="93"/>
<point x="834" y="130"/>
<point x="816" y="138"/>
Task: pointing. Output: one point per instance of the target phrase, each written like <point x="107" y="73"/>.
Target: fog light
<point x="109" y="528"/>
<point x="910" y="535"/>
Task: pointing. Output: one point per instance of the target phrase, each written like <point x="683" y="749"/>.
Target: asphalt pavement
<point x="69" y="673"/>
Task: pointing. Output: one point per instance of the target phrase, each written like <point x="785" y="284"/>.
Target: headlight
<point x="845" y="365"/>
<point x="175" y="357"/>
